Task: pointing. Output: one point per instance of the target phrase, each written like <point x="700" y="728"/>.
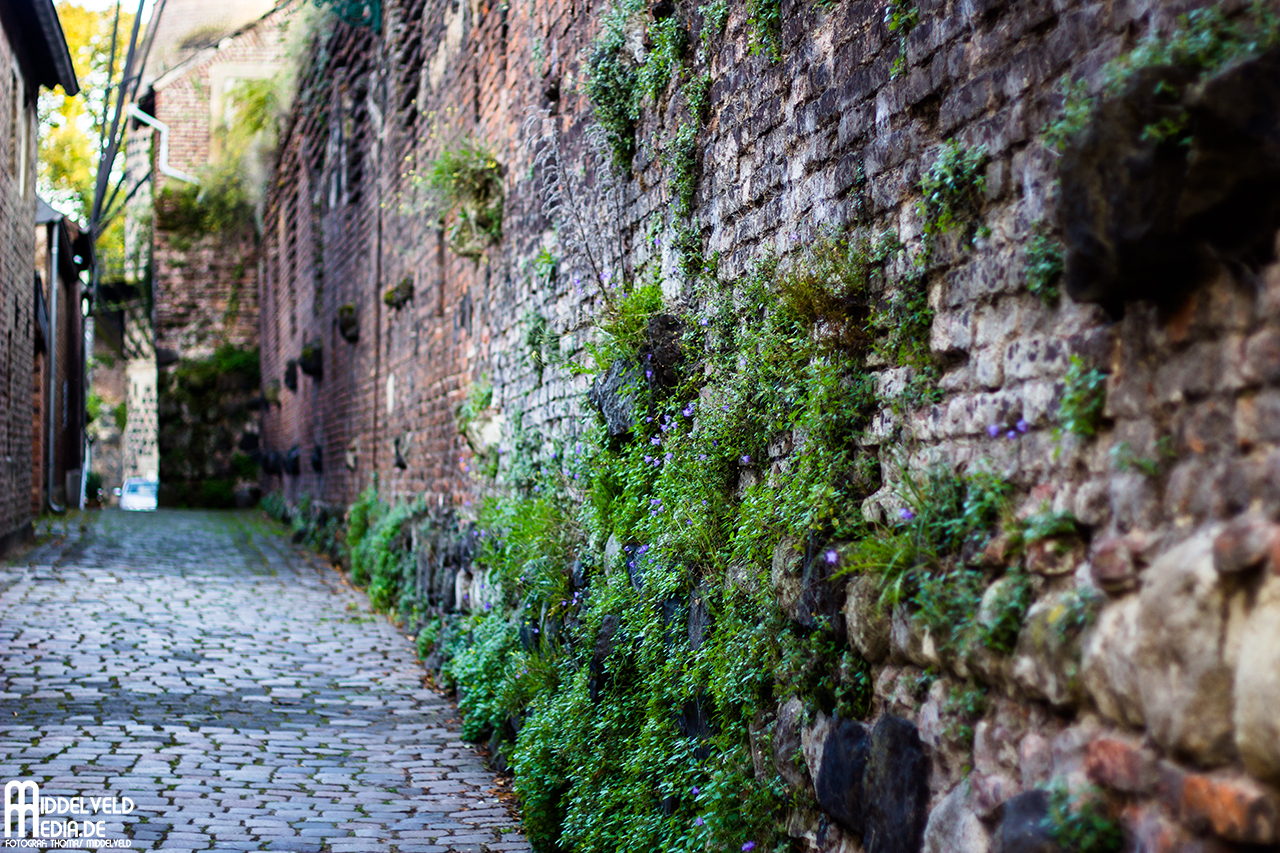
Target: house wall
<point x="17" y="296"/>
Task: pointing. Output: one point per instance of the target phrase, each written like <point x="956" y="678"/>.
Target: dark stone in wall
<point x="839" y="785"/>
<point x="661" y="354"/>
<point x="1022" y="826"/>
<point x="1145" y="218"/>
<point x="611" y="395"/>
<point x="896" y="787"/>
<point x="293" y="461"/>
<point x="604" y="647"/>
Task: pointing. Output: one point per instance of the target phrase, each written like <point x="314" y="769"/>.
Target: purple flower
<point x="746" y="460"/>
<point x="667" y="456"/>
<point x="1022" y="426"/>
<point x="1011" y="434"/>
<point x="695" y="792"/>
<point x="655" y="440"/>
<point x="688" y="411"/>
<point x="703" y="321"/>
<point x="993" y="430"/>
<point x="648" y="374"/>
<point x="906" y="514"/>
<point x="648" y="459"/>
<point x="831" y="558"/>
<point x="750" y="845"/>
<point x="697" y="821"/>
<point x="488" y="605"/>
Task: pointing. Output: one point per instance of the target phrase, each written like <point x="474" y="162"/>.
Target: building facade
<point x="33" y="53"/>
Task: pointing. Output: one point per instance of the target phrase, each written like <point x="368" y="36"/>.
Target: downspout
<point x="54" y="330"/>
<point x="163" y="163"/>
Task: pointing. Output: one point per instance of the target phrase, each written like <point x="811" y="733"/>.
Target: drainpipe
<point x="54" y="286"/>
<point x="163" y="159"/>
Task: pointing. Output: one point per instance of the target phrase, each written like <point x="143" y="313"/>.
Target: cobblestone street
<point x="239" y="694"/>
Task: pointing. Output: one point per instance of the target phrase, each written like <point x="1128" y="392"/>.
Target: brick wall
<point x="784" y="154"/>
<point x="17" y="303"/>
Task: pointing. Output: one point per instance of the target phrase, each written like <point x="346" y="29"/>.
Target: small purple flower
<point x="697" y="821"/>
<point x="648" y="459"/>
<point x="906" y="514"/>
<point x="488" y="605"/>
<point x="695" y="790"/>
<point x="746" y="460"/>
<point x="703" y="321"/>
<point x="831" y="558"/>
<point x="667" y="456"/>
<point x="688" y="412"/>
<point x="655" y="440"/>
<point x="1010" y="434"/>
<point x="993" y="430"/>
<point x="648" y="374"/>
<point x="1022" y="426"/>
<point x="750" y="845"/>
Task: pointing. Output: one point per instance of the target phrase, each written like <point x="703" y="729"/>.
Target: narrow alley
<point x="239" y="695"/>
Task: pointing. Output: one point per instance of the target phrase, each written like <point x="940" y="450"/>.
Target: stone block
<point x="1045" y="663"/>
<point x="1261" y="362"/>
<point x="865" y="620"/>
<point x="1232" y="807"/>
<point x="1184" y="677"/>
<point x="1257" y="685"/>
<point x="1244" y="544"/>
<point x="1122" y="765"/>
<point x="1112" y="565"/>
<point x="1110" y="667"/>
<point x="788" y="755"/>
<point x="954" y="827"/>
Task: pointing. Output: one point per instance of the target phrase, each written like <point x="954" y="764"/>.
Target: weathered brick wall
<point x="785" y="154"/>
<point x="17" y="305"/>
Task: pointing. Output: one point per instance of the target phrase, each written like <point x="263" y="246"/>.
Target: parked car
<point x="138" y="494"/>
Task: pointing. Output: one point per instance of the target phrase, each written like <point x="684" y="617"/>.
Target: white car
<point x="138" y="494"/>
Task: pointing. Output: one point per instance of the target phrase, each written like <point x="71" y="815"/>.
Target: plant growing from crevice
<point x="1082" y="822"/>
<point x="1204" y="41"/>
<point x="1042" y="266"/>
<point x="1084" y="398"/>
<point x="398" y="295"/>
<point x="952" y="191"/>
<point x="620" y="73"/>
<point x="467" y="179"/>
<point x="900" y="18"/>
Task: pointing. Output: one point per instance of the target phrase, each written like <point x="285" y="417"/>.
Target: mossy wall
<point x="798" y="470"/>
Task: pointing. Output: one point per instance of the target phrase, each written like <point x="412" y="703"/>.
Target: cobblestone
<point x="240" y="694"/>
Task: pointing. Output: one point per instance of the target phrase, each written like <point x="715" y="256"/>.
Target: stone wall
<point x="1166" y="699"/>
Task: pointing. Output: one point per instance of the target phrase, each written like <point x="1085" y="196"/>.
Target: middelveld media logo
<point x="31" y="820"/>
